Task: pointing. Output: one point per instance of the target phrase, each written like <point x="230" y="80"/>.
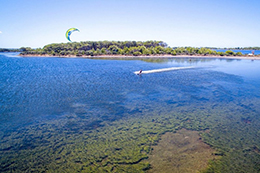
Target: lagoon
<point x="76" y="114"/>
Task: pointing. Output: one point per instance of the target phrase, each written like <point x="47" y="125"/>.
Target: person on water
<point x="140" y="72"/>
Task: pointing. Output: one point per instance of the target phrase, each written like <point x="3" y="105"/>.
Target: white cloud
<point x="0" y="32"/>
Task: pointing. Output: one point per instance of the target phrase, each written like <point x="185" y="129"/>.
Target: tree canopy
<point x="125" y="48"/>
<point x="9" y="50"/>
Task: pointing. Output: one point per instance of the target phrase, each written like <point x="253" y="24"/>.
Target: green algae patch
<point x="120" y="146"/>
<point x="183" y="151"/>
<point x="129" y="144"/>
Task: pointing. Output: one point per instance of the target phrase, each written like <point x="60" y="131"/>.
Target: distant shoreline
<point x="148" y="56"/>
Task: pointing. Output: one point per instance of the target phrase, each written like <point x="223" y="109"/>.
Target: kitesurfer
<point x="140" y="72"/>
<point x="69" y="31"/>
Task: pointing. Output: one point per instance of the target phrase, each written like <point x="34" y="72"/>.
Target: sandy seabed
<point x="183" y="151"/>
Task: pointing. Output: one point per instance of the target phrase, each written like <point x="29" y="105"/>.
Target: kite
<point x="69" y="31"/>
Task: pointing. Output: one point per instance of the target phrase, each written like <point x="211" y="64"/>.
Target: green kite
<point x="69" y="31"/>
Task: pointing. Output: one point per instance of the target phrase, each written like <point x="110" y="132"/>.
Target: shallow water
<point x="181" y="152"/>
<point x="75" y="95"/>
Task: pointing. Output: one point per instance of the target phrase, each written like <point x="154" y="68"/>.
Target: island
<point x="115" y="49"/>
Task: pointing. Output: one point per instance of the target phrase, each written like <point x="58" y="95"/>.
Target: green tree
<point x="137" y="53"/>
<point x="147" y="52"/>
<point x="239" y="54"/>
<point x="168" y="50"/>
<point x="221" y="53"/>
<point x="230" y="52"/>
<point x="159" y="50"/>
<point x="113" y="49"/>
<point x="173" y="52"/>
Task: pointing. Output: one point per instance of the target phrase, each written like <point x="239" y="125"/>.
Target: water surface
<point x="44" y="100"/>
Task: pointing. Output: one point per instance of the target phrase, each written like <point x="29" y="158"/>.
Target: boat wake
<point x="163" y="70"/>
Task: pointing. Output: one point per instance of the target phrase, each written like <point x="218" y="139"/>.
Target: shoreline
<point x="149" y="56"/>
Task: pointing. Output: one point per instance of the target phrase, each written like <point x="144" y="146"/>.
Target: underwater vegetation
<point x="125" y="145"/>
<point x="115" y="124"/>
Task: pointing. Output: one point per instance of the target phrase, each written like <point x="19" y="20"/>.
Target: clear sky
<point x="198" y="23"/>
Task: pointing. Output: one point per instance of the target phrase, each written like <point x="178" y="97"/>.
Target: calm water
<point x="35" y="91"/>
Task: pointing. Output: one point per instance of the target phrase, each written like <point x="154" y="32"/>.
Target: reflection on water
<point x="63" y="109"/>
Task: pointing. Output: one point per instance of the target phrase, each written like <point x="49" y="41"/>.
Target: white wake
<point x="163" y="70"/>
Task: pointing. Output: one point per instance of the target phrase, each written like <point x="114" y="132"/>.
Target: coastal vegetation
<point x="9" y="50"/>
<point x="124" y="48"/>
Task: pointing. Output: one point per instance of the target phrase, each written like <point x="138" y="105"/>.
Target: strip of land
<point x="149" y="56"/>
<point x="130" y="50"/>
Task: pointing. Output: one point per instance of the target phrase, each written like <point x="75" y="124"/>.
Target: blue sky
<point x="198" y="23"/>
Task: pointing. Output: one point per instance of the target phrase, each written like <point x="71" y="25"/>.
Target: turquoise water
<point x="76" y="95"/>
